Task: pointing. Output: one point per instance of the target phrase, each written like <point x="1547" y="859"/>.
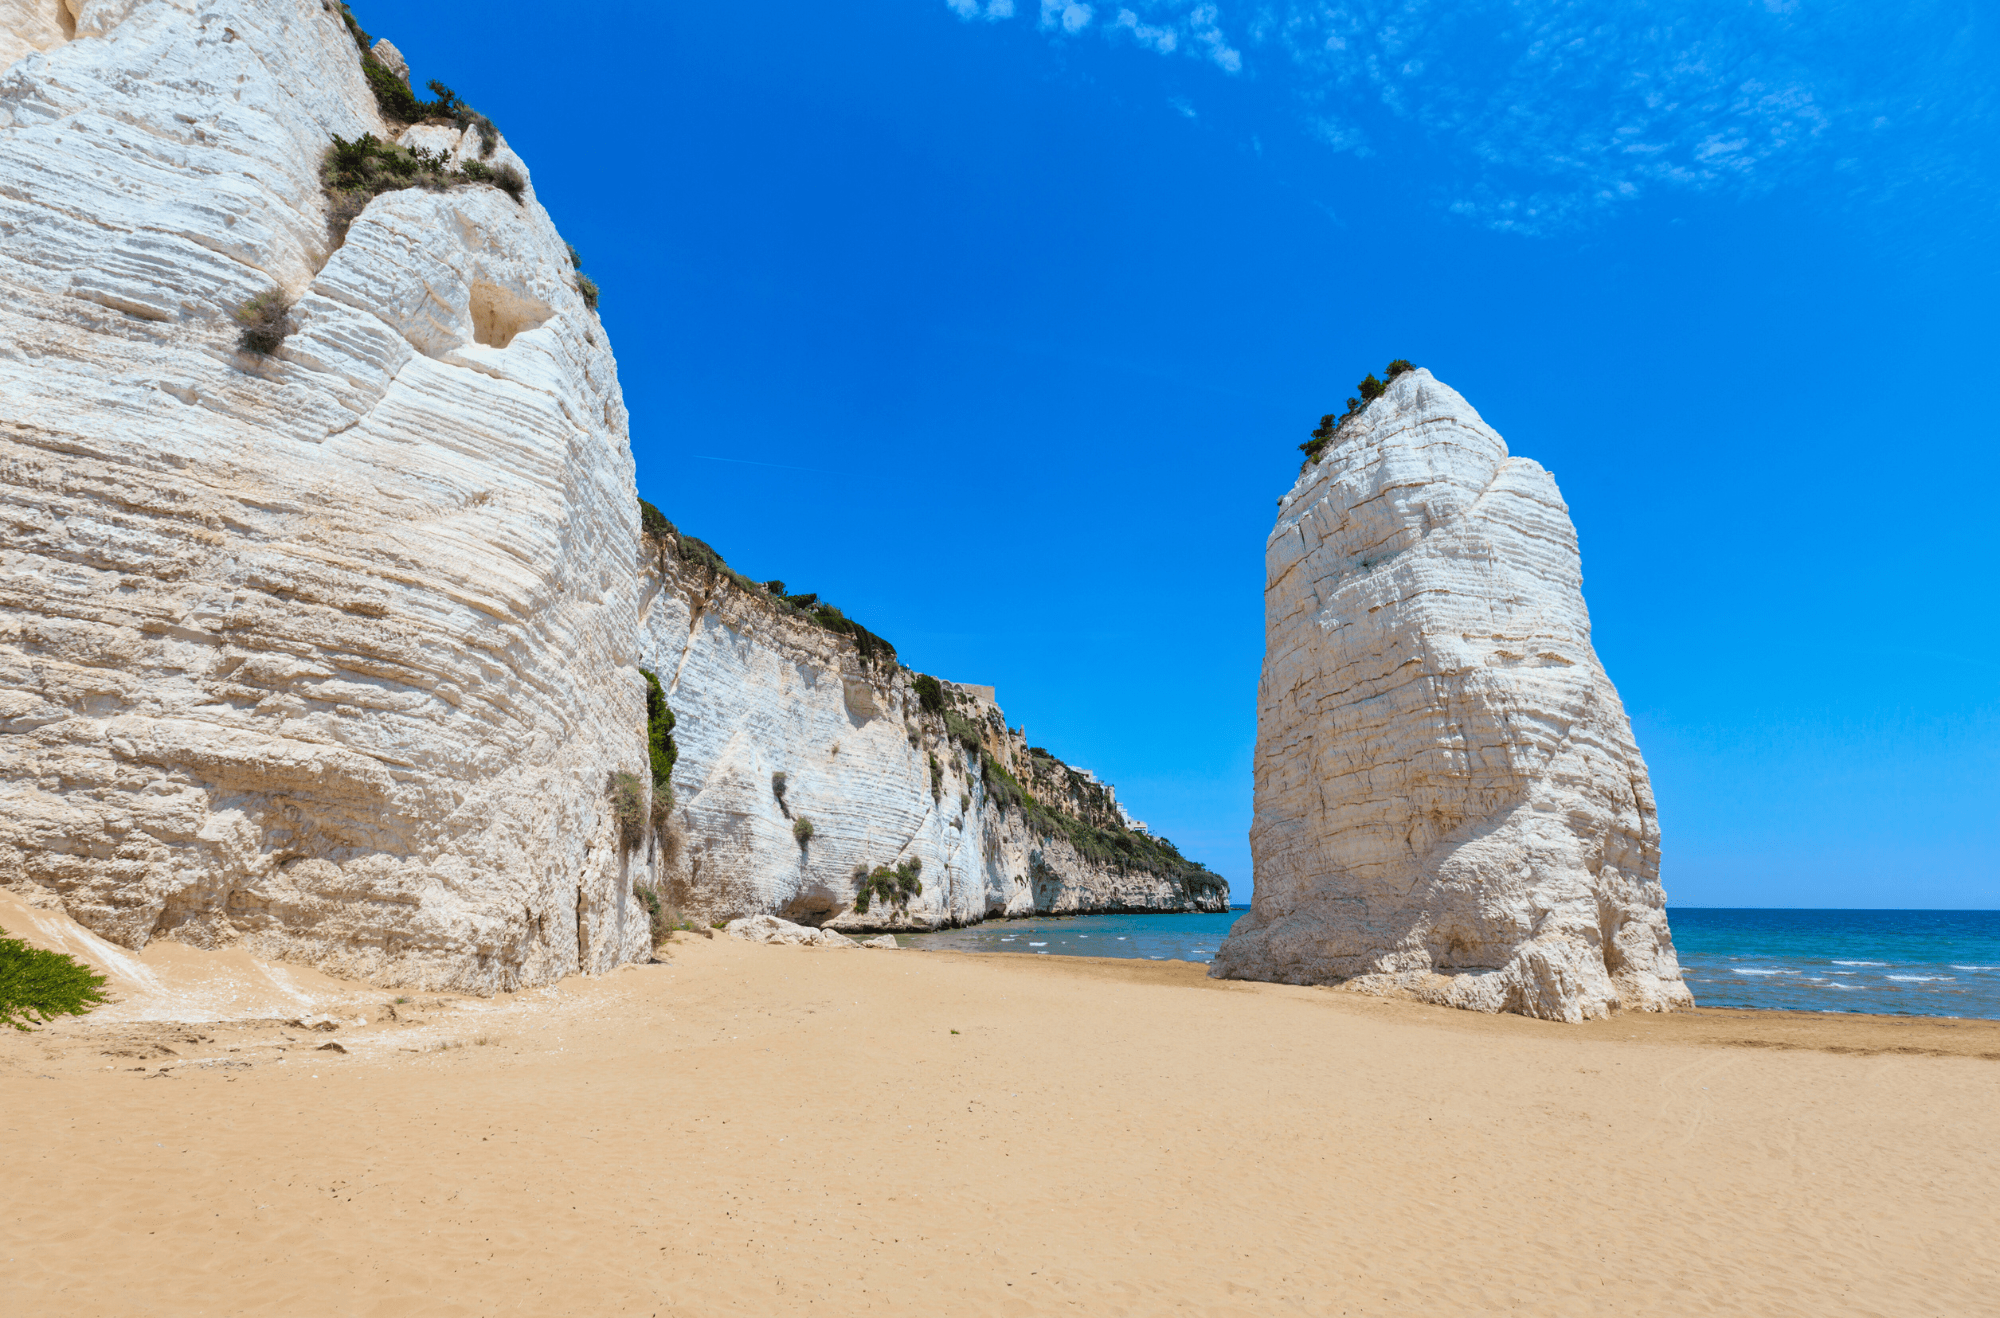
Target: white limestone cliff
<point x="759" y="690"/>
<point x="1449" y="801"/>
<point x="328" y="654"/>
<point x="334" y="654"/>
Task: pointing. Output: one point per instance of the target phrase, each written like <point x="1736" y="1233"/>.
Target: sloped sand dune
<point x="769" y="1130"/>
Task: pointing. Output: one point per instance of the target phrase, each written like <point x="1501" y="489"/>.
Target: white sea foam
<point x="1038" y="945"/>
<point x="1921" y="979"/>
<point x="1745" y="970"/>
<point x="1959" y="967"/>
<point x="1847" y="988"/>
<point x="1861" y="963"/>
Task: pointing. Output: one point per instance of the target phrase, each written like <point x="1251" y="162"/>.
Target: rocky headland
<point x="812" y="766"/>
<point x="326" y="610"/>
<point x="1449" y="801"/>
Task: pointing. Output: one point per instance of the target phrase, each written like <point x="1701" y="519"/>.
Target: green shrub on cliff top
<point x="874" y="649"/>
<point x="1370" y="389"/>
<point x="354" y="173"/>
<point x="588" y="288"/>
<point x="652" y="521"/>
<point x="402" y="105"/>
<point x="362" y="41"/>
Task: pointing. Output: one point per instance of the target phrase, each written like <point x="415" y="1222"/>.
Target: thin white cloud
<point x="1542" y="112"/>
<point x="1195" y="28"/>
<point x="1545" y="111"/>
<point x="1207" y="35"/>
<point x="994" y="11"/>
<point x="1066" y="14"/>
<point x="1340" y="136"/>
<point x="1161" y="39"/>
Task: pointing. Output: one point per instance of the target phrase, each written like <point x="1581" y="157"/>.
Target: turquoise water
<point x="1922" y="963"/>
<point x="1147" y="937"/>
<point x="1918" y="963"/>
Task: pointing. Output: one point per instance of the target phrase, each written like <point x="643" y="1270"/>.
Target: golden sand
<point x="777" y="1130"/>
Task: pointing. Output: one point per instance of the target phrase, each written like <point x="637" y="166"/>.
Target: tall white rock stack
<point x="330" y="654"/>
<point x="1449" y="801"/>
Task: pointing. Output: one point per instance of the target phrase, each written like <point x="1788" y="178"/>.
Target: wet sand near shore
<point x="750" y="1129"/>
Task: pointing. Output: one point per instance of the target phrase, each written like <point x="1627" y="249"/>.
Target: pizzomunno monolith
<point x="1449" y="801"/>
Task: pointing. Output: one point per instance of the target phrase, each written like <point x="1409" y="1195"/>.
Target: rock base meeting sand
<point x="774" y="1129"/>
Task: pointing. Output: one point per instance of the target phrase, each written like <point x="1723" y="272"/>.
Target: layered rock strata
<point x="991" y="826"/>
<point x="334" y="651"/>
<point x="328" y="653"/>
<point x="1449" y="800"/>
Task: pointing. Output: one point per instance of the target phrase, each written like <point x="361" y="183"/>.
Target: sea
<point x="1911" y="963"/>
<point x="1190" y="937"/>
<point x="1907" y="963"/>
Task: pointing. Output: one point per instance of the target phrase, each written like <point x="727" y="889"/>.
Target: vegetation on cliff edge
<point x="353" y="173"/>
<point x="810" y="608"/>
<point x="1369" y="390"/>
<point x="585" y="285"/>
<point x="1112" y="846"/>
<point x="399" y="104"/>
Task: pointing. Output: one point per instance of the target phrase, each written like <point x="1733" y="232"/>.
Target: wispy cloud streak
<point x="1542" y="113"/>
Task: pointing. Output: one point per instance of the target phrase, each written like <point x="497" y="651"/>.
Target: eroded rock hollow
<point x="1449" y="800"/>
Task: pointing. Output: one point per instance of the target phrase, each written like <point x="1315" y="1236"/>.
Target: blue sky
<point x="998" y="326"/>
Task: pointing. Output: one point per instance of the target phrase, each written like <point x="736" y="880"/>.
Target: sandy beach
<point x="752" y="1129"/>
